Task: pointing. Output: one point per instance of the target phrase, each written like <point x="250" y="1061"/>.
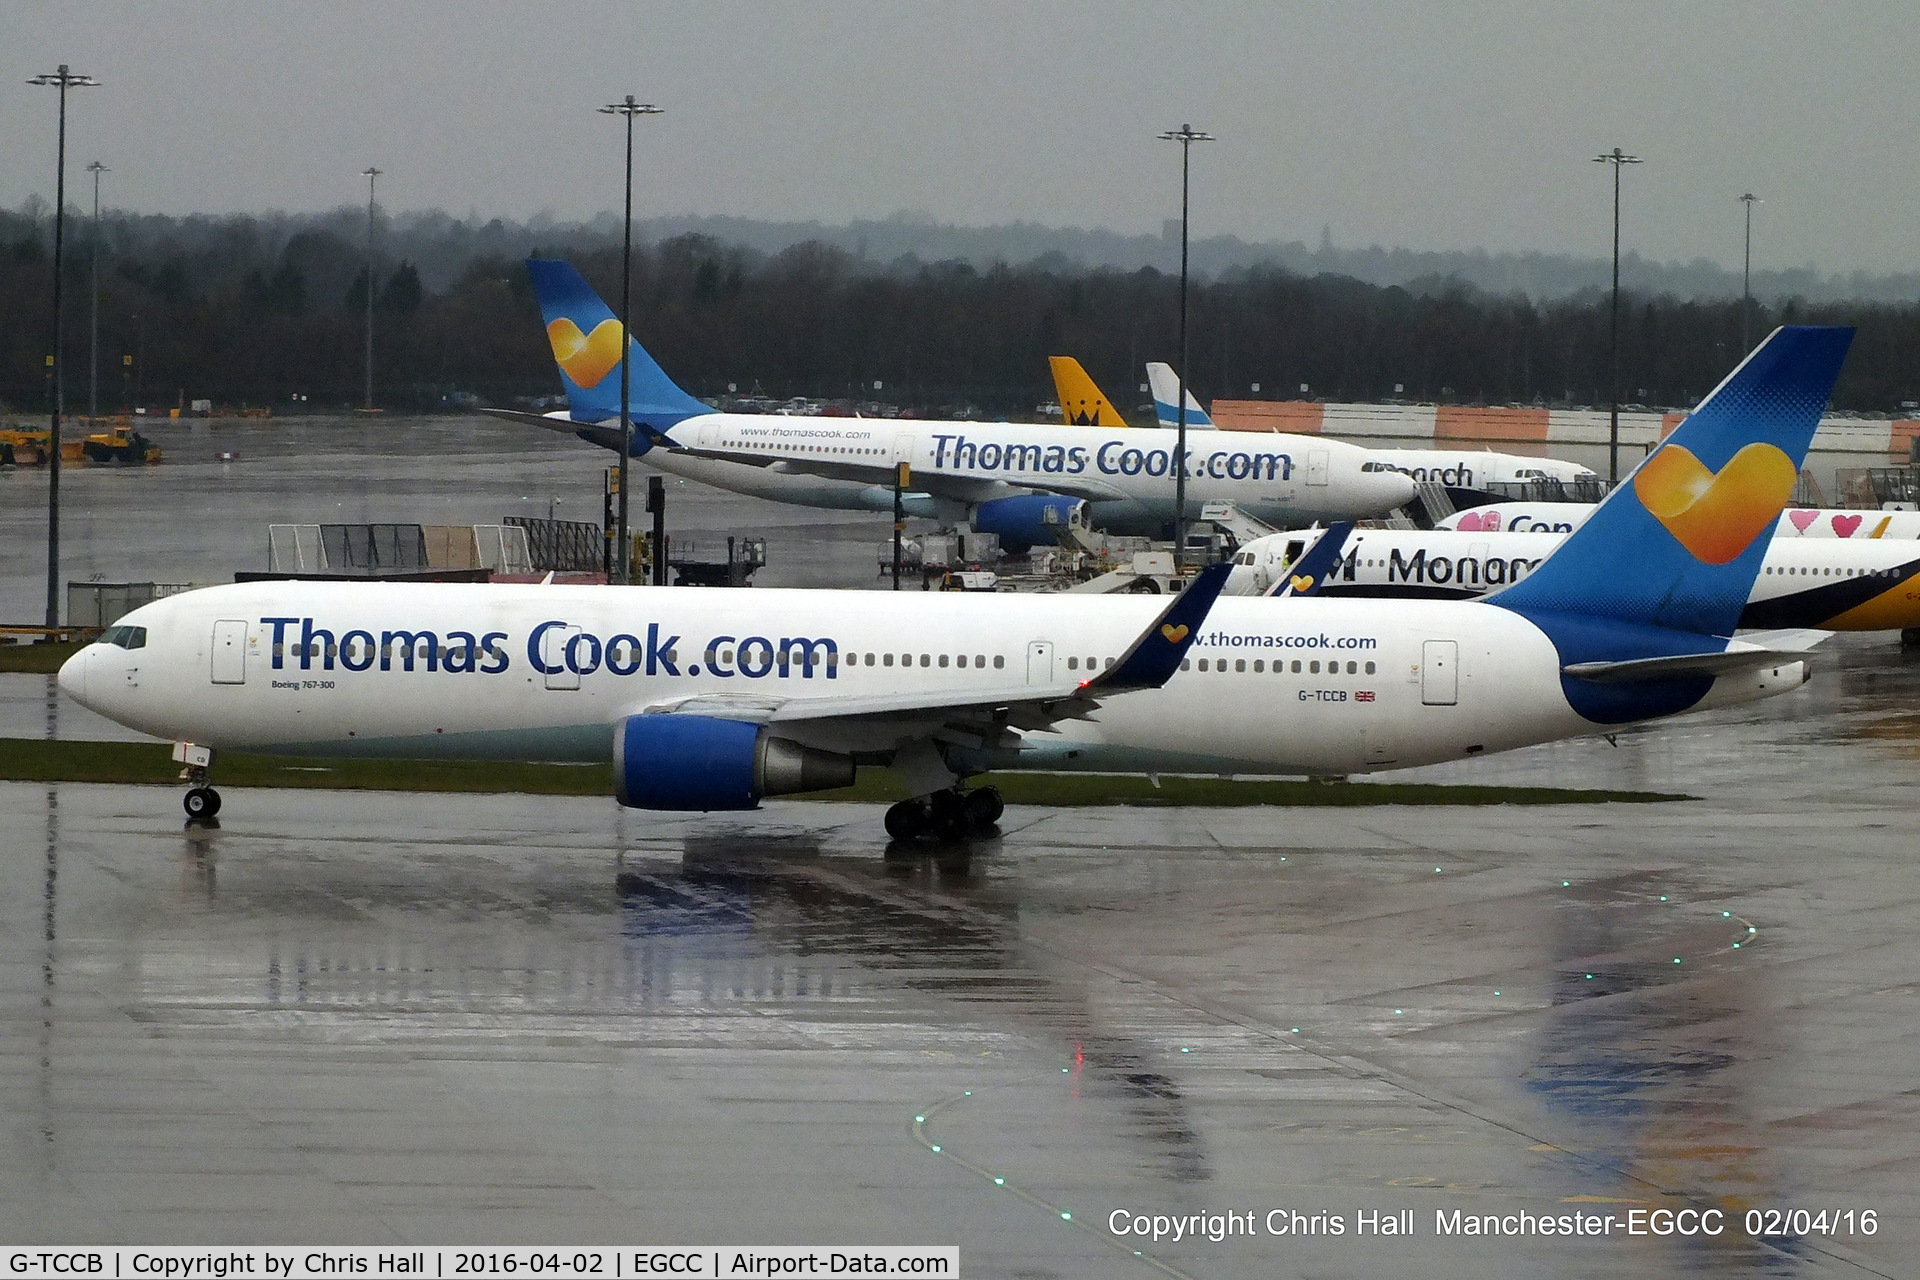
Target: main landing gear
<point x="951" y="814"/>
<point x="201" y="802"/>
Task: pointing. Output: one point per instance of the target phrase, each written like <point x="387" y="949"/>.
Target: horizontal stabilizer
<point x="1725" y="663"/>
<point x="1791" y="639"/>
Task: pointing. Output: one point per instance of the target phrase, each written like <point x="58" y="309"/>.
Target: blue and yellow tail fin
<point x="585" y="336"/>
<point x="1677" y="545"/>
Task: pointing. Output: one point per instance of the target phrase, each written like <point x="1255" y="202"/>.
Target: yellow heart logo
<point x="1301" y="584"/>
<point x="1716" y="517"/>
<point x="1174" y="634"/>
<point x="587" y="357"/>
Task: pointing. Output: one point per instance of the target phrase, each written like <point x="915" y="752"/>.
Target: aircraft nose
<point x="1396" y="488"/>
<point x="73" y="675"/>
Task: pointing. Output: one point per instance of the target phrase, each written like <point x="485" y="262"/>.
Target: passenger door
<point x="230" y="652"/>
<point x="1316" y="466"/>
<point x="1439" y="673"/>
<point x="553" y="656"/>
<point x="1040" y="662"/>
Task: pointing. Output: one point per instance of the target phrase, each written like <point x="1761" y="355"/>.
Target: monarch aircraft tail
<point x="1166" y="394"/>
<point x="1639" y="601"/>
<point x="1081" y="401"/>
<point x="585" y="337"/>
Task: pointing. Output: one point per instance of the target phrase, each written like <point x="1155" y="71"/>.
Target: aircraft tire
<point x="948" y="817"/>
<point x="984" y="808"/>
<point x="907" y="820"/>
<point x="200" y="803"/>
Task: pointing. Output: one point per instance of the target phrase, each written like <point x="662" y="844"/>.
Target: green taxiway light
<point x="1589" y="977"/>
<point x="1726" y="915"/>
<point x="1496" y="993"/>
<point x="1184" y="1049"/>
<point x="1066" y="1217"/>
<point x="1294" y="1030"/>
<point x="1399" y="1011"/>
<point x="969" y="1093"/>
<point x="1736" y="946"/>
<point x="999" y="1182"/>
<point x="936" y="1147"/>
<point x="1663" y="897"/>
<point x="1676" y="959"/>
<point x="919" y="1119"/>
<point x="1566" y="884"/>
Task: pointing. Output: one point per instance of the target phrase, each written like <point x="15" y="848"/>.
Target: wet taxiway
<point x="195" y="518"/>
<point x="372" y="1018"/>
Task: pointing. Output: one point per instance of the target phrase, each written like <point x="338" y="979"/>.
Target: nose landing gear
<point x="949" y="815"/>
<point x="201" y="802"/>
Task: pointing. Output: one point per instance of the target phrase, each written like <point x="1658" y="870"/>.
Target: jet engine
<point x="704" y="763"/>
<point x="1031" y="518"/>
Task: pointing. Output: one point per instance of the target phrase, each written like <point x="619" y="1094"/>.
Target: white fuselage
<point x="1471" y="469"/>
<point x="1857" y="525"/>
<point x="1125" y="473"/>
<point x="547" y="672"/>
<point x="1803" y="582"/>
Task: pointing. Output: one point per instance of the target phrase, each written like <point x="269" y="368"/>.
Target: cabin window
<point x="980" y="660"/>
<point x="1369" y="668"/>
<point x="1203" y="664"/>
<point x="1259" y="665"/>
<point x="943" y="659"/>
<point x="869" y="659"/>
<point x="1073" y="664"/>
<point x="1313" y="668"/>
<point x="1240" y="664"/>
<point x="999" y="661"/>
<point x="886" y="661"/>
<point x="925" y="661"/>
<point x="1185" y="664"/>
<point x="1091" y="663"/>
<point x="1109" y="663"/>
<point x="1296" y="666"/>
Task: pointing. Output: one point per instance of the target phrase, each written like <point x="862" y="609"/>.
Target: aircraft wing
<point x="1147" y="663"/>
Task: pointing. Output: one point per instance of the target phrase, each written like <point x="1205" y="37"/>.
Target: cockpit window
<point x="125" y="637"/>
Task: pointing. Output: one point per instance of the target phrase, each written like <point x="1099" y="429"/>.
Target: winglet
<point x="1156" y="653"/>
<point x="1310" y="572"/>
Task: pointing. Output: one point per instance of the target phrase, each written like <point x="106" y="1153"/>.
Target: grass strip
<point x="142" y="763"/>
<point x="36" y="659"/>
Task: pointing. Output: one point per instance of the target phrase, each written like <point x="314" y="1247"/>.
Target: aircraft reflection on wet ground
<point x="372" y="1017"/>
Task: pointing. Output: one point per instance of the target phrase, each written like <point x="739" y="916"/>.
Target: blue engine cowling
<point x="699" y="762"/>
<point x="1034" y="518"/>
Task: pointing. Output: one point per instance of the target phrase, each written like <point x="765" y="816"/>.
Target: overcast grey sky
<point x="1430" y="126"/>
